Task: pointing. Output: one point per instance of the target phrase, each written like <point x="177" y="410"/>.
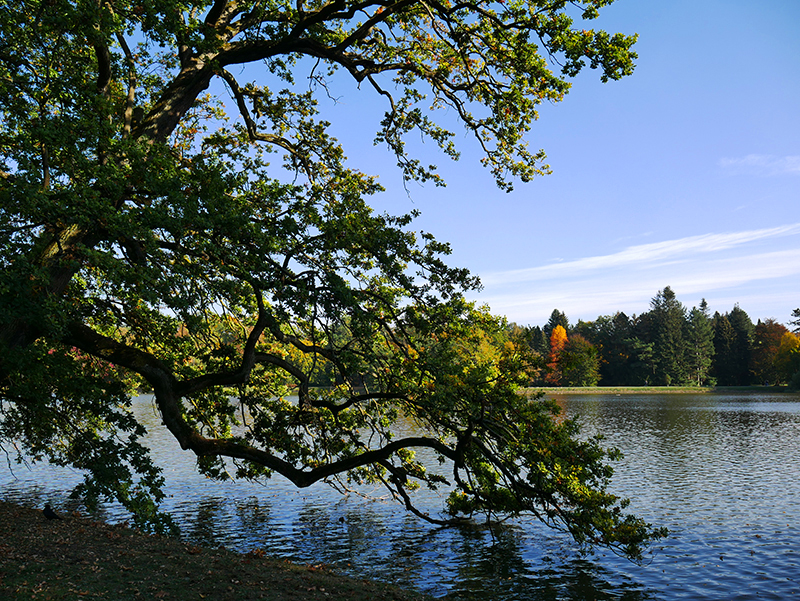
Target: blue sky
<point x="685" y="174"/>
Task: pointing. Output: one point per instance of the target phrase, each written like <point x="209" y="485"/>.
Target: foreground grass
<point x="76" y="558"/>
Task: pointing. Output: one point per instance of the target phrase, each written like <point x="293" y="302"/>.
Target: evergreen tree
<point x="587" y="329"/>
<point x="557" y="318"/>
<point x="538" y="341"/>
<point x="724" y="350"/>
<point x="615" y="366"/>
<point x="700" y="344"/>
<point x="608" y="334"/>
<point x="796" y="321"/>
<point x="744" y="329"/>
<point x="669" y="319"/>
<point x="642" y="362"/>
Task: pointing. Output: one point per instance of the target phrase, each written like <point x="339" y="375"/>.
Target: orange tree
<point x="558" y="340"/>
<point x="222" y="254"/>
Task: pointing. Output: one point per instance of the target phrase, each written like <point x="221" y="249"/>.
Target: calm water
<point x="719" y="471"/>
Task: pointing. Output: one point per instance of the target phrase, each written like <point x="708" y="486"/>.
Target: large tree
<point x="766" y="342"/>
<point x="558" y="340"/>
<point x="787" y="359"/>
<point x="176" y="217"/>
<point x="669" y="342"/>
<point x="611" y="335"/>
<point x="725" y="366"/>
<point x="744" y="330"/>
<point x="699" y="344"/>
<point x="557" y="318"/>
<point x="579" y="362"/>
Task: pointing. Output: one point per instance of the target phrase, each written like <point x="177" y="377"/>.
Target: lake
<point x="719" y="470"/>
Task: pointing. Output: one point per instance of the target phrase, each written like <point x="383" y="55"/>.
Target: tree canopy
<point x="176" y="217"/>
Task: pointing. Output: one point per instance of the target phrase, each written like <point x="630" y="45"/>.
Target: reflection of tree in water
<point x="490" y="559"/>
<point x="203" y="525"/>
<point x="496" y="562"/>
<point x="253" y="516"/>
<point x="361" y="541"/>
<point x="351" y="538"/>
<point x="582" y="579"/>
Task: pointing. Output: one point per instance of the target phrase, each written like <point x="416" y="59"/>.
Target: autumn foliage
<point x="558" y="340"/>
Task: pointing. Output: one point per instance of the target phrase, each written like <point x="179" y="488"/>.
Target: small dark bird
<point x="49" y="513"/>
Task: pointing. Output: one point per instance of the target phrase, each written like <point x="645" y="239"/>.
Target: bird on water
<point x="49" y="513"/>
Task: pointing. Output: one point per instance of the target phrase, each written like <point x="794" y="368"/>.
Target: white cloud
<point x="762" y="164"/>
<point x="710" y="265"/>
<point x="669" y="251"/>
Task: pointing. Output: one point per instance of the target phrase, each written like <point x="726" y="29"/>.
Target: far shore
<point x="660" y="390"/>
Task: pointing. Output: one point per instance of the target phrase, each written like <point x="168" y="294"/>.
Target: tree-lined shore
<point x="670" y="345"/>
<point x="633" y="390"/>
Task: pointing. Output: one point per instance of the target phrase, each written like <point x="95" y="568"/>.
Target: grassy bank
<point x="76" y="558"/>
<point x="660" y="389"/>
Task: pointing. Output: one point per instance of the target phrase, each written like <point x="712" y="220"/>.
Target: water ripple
<point x="719" y="471"/>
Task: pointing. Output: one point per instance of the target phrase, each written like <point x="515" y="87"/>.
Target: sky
<point x="685" y="174"/>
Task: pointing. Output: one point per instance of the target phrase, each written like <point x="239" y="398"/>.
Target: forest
<point x="669" y="345"/>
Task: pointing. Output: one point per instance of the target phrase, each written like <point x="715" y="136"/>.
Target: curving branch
<point x="169" y="391"/>
<point x="252" y="128"/>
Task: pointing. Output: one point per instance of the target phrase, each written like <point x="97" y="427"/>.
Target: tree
<point x="538" y="341"/>
<point x="643" y="365"/>
<point x="558" y="340"/>
<point x="700" y="344"/>
<point x="669" y="345"/>
<point x="725" y="368"/>
<point x="796" y="321"/>
<point x="743" y="328"/>
<point x="176" y="216"/>
<point x="579" y="362"/>
<point x="787" y="359"/>
<point x="611" y="337"/>
<point x="526" y="337"/>
<point x="557" y="318"/>
<point x="766" y="341"/>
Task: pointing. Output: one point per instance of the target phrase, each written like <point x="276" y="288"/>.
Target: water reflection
<point x="719" y="471"/>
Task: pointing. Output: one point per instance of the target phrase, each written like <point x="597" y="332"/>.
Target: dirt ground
<point x="77" y="558"/>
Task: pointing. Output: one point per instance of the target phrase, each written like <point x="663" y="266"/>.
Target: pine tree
<point x="744" y="329"/>
<point x="608" y="334"/>
<point x="557" y="318"/>
<point x="796" y="321"/>
<point x="669" y="317"/>
<point x="700" y="344"/>
<point x="724" y="351"/>
<point x="538" y="340"/>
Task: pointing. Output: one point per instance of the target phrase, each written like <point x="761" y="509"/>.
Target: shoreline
<point x="78" y="557"/>
<point x="625" y="390"/>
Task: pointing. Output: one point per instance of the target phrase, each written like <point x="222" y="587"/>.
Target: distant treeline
<point x="669" y="345"/>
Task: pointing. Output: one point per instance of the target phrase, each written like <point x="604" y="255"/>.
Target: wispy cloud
<point x="762" y="164"/>
<point x="751" y="263"/>
<point x="669" y="251"/>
